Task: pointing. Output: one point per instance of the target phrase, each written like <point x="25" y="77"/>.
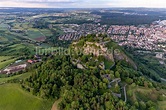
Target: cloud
<point x="15" y="3"/>
<point x="82" y="3"/>
<point x="50" y="1"/>
<point x="41" y="1"/>
<point x="139" y="3"/>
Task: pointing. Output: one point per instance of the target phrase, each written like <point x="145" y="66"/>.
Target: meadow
<point x="162" y="105"/>
<point x="35" y="34"/>
<point x="46" y="32"/>
<point x="18" y="99"/>
<point x="18" y="49"/>
<point x="137" y="94"/>
<point x="3" y="26"/>
<point x="3" y="39"/>
<point x="18" y="77"/>
<point x="8" y="36"/>
<point x="5" y="61"/>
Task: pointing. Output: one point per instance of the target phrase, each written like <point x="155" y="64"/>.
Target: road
<point x="124" y="88"/>
<point x="117" y="79"/>
<point x="163" y="79"/>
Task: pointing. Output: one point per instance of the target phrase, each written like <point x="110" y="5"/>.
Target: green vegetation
<point x="18" y="50"/>
<point x="46" y="32"/>
<point x="3" y="39"/>
<point x="108" y="64"/>
<point x="146" y="95"/>
<point x="6" y="60"/>
<point x="162" y="105"/>
<point x="91" y="87"/>
<point x="61" y="77"/>
<point x="14" y="98"/>
<point x="64" y="78"/>
<point x="7" y="37"/>
<point x="15" y="77"/>
<point x="3" y="26"/>
<point x="148" y="64"/>
<point x="34" y="34"/>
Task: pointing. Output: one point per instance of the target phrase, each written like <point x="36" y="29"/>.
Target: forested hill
<point x="88" y="80"/>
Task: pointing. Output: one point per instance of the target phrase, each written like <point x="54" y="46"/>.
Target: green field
<point x="3" y="26"/>
<point x="162" y="105"/>
<point x="16" y="25"/>
<point x="14" y="98"/>
<point x="5" y="61"/>
<point x="25" y="25"/>
<point x="19" y="49"/>
<point x="2" y="58"/>
<point x="46" y="32"/>
<point x="8" y="36"/>
<point x="18" y="77"/>
<point x="34" y="34"/>
<point x="144" y="94"/>
<point x="3" y="39"/>
<point x="17" y="46"/>
<point x="18" y="99"/>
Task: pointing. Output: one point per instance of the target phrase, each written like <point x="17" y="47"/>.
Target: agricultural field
<point x="3" y="26"/>
<point x="25" y="26"/>
<point x="6" y="60"/>
<point x="36" y="35"/>
<point x="7" y="36"/>
<point x="18" y="49"/>
<point x="1" y="20"/>
<point x="46" y="32"/>
<point x="17" y="77"/>
<point x="18" y="99"/>
<point x="3" y="58"/>
<point x="16" y="25"/>
<point x="3" y="39"/>
<point x="10" y="21"/>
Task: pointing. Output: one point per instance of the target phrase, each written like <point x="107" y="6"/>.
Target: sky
<point x="83" y="3"/>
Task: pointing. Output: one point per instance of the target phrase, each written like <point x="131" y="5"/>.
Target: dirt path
<point x="55" y="105"/>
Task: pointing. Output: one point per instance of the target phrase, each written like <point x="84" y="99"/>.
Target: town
<point x="141" y="37"/>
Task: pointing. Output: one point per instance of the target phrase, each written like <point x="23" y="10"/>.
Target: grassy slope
<point x="18" y="49"/>
<point x="34" y="33"/>
<point x="14" y="98"/>
<point x="7" y="62"/>
<point x="148" y="94"/>
<point x="19" y="77"/>
<point x="162" y="105"/>
<point x="2" y="58"/>
<point x="46" y="32"/>
<point x="3" y="26"/>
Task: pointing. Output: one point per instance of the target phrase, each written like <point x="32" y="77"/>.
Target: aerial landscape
<point x="82" y="55"/>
